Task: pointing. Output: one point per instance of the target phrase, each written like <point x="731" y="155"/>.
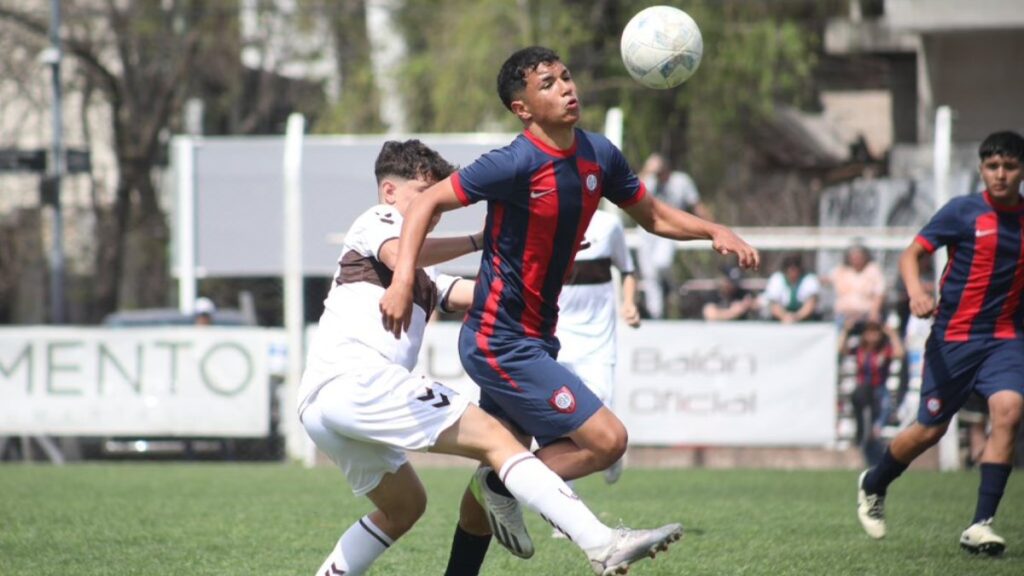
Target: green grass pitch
<point x="227" y="520"/>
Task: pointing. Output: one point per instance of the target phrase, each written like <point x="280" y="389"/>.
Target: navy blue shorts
<point x="952" y="370"/>
<point x="521" y="382"/>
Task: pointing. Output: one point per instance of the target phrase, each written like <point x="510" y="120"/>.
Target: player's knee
<point x="611" y="448"/>
<point x="932" y="434"/>
<point x="404" y="518"/>
<point x="1007" y="412"/>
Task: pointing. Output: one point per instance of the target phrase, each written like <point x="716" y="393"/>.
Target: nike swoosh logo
<point x="980" y="233"/>
<point x="540" y="193"/>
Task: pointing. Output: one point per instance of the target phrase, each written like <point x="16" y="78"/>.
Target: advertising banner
<point x="151" y="381"/>
<point x="698" y="383"/>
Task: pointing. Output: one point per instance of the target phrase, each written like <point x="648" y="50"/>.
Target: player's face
<point x="1002" y="176"/>
<point x="399" y="193"/>
<point x="549" y="97"/>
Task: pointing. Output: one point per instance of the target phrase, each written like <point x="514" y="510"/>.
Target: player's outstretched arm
<point x="396" y="304"/>
<point x="659" y="218"/>
<point x="435" y="250"/>
<point x="922" y="303"/>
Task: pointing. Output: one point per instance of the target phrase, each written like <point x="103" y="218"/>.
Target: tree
<point x="141" y="61"/>
<point x="758" y="54"/>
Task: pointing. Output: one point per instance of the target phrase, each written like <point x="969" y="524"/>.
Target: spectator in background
<point x="859" y="287"/>
<point x="656" y="254"/>
<point x="874" y="351"/>
<point x="792" y="293"/>
<point x="732" y="302"/>
<point x="204" y="310"/>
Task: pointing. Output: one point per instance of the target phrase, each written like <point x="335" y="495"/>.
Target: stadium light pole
<point x="52" y="56"/>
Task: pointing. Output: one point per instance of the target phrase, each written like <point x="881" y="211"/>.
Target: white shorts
<point x="365" y="421"/>
<point x="598" y="376"/>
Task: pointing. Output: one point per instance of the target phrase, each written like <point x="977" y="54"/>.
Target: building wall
<point x="980" y="75"/>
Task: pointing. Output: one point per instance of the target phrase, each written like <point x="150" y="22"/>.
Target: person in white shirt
<point x="586" y="310"/>
<point x="792" y="293"/>
<point x="364" y="408"/>
<point x="656" y="254"/>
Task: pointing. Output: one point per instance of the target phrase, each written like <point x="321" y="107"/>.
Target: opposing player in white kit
<point x="363" y="407"/>
<point x="586" y="310"/>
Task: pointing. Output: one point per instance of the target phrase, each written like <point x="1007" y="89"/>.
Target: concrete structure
<point x="942" y="53"/>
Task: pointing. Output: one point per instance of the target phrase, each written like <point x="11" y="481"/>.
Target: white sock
<point x="541" y="490"/>
<point x="357" y="548"/>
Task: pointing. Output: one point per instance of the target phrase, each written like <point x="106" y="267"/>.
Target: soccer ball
<point x="661" y="47"/>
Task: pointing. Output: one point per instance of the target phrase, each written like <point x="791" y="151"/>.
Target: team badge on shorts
<point x="934" y="406"/>
<point x="563" y="400"/>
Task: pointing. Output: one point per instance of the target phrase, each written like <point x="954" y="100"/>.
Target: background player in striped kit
<point x="976" y="341"/>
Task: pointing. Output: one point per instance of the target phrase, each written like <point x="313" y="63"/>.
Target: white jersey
<point x="586" y="306"/>
<point x="351" y="336"/>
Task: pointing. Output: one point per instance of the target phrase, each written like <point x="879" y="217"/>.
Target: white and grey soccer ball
<point x="661" y="47"/>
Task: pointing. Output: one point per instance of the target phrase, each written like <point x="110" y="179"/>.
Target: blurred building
<point x="941" y="53"/>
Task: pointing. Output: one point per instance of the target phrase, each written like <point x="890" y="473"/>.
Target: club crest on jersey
<point x="591" y="183"/>
<point x="563" y="400"/>
<point x="934" y="406"/>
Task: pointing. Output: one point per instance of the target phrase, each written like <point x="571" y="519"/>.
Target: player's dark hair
<point x="512" y="76"/>
<point x="793" y="261"/>
<point x="1005" y="143"/>
<point x="410" y="160"/>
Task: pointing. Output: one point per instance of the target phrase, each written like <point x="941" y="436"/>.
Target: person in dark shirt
<point x="732" y="301"/>
<point x="976" y="342"/>
<point x="873" y="346"/>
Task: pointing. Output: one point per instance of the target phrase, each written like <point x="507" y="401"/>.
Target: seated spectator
<point x="792" y="293"/>
<point x="859" y="286"/>
<point x="874" y="350"/>
<point x="732" y="302"/>
<point x="203" y="311"/>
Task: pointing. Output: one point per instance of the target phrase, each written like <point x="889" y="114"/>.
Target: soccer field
<point x="227" y="520"/>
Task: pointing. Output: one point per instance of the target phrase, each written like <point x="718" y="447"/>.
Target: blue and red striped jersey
<point x="873" y="366"/>
<point x="982" y="285"/>
<point x="539" y="203"/>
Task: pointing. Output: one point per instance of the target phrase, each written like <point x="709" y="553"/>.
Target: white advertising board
<point x="737" y="383"/>
<point x="153" y="381"/>
<point x="695" y="383"/>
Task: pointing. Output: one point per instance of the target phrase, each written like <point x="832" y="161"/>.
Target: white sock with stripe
<point x="541" y="490"/>
<point x="357" y="548"/>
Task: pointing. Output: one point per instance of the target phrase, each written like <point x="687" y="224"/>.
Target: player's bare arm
<point x="659" y="218"/>
<point x="435" y="250"/>
<point x="396" y="304"/>
<point x="461" y="295"/>
<point x="629" y="311"/>
<point x="922" y="303"/>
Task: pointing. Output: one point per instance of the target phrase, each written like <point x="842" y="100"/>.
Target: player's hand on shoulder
<point x="725" y="241"/>
<point x="396" y="308"/>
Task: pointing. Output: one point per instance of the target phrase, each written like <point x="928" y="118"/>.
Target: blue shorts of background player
<point x="522" y="383"/>
<point x="952" y="370"/>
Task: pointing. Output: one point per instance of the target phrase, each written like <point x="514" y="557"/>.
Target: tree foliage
<point x="757" y="55"/>
<point x="142" y="60"/>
